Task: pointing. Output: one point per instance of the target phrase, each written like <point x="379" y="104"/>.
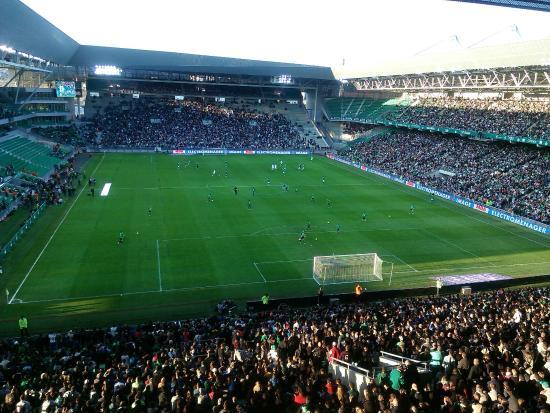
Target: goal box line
<point x="344" y="282"/>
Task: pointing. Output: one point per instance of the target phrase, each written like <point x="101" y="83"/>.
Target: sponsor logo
<point x="519" y="221"/>
<point x="410" y="183"/>
<point x="462" y="202"/>
<point x="481" y="208"/>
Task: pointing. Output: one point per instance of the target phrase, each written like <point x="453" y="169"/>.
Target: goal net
<point x="337" y="269"/>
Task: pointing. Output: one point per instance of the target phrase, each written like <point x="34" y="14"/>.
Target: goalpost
<point x="352" y="268"/>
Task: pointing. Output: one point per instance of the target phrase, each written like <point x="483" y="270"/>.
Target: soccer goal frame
<point x="349" y="268"/>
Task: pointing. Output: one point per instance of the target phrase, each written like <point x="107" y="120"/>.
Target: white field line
<point x="158" y="266"/>
<point x="207" y="287"/>
<point x="53" y="234"/>
<point x="259" y="234"/>
<point x="452" y="244"/>
<point x="458" y="268"/>
<point x="467" y="212"/>
<point x="197" y="288"/>
<point x="402" y="261"/>
<point x="284" y="261"/>
<point x="88" y="297"/>
<point x="272" y="185"/>
<point x="259" y="272"/>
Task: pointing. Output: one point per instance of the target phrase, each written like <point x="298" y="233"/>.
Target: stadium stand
<point x="510" y="117"/>
<point x="510" y="177"/>
<point x="192" y="124"/>
<point x="25" y="155"/>
<point x="66" y="135"/>
<point x="486" y="353"/>
<point x="363" y="108"/>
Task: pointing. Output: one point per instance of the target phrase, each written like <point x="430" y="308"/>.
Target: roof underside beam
<point x="533" y="79"/>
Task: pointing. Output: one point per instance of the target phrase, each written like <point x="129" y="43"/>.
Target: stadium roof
<point x="183" y="62"/>
<point x="25" y="30"/>
<point x="529" y="53"/>
<point x="539" y="5"/>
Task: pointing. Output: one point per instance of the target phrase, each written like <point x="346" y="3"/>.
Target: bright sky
<point x="318" y="32"/>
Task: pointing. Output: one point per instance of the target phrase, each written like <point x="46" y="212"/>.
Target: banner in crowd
<point x="489" y="210"/>
<point x="235" y="152"/>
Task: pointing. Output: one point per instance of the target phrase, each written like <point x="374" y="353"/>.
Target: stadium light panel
<point x="107" y="70"/>
<point x="6" y="49"/>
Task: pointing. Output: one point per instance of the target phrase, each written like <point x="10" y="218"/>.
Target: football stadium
<point x="224" y="232"/>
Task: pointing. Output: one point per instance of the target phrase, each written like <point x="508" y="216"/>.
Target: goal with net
<point x="338" y="269"/>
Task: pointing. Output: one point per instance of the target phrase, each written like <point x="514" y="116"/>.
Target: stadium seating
<point x="190" y="124"/>
<point x="508" y="118"/>
<point x="486" y="353"/>
<point x="363" y="109"/>
<point x="26" y="155"/>
<point x="67" y="135"/>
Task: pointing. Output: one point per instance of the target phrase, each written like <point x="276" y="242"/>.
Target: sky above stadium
<point x="327" y="33"/>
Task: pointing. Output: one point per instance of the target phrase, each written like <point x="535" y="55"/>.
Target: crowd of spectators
<point x="487" y="353"/>
<point x="60" y="185"/>
<point x="145" y="123"/>
<point x="354" y="130"/>
<point x="515" y="178"/>
<point x="32" y="192"/>
<point x="510" y="117"/>
<point x="66" y="135"/>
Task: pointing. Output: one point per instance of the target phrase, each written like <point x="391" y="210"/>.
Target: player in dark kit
<point x="236" y="190"/>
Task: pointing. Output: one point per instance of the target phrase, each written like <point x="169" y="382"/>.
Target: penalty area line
<point x="158" y="267"/>
<point x="259" y="272"/>
<point x="402" y="261"/>
<point x="53" y="234"/>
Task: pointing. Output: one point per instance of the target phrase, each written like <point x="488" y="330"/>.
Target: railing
<point x="350" y="374"/>
<point x="10" y="244"/>
<point x="394" y="359"/>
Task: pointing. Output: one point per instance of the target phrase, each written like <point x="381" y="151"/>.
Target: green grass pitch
<point x="70" y="271"/>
